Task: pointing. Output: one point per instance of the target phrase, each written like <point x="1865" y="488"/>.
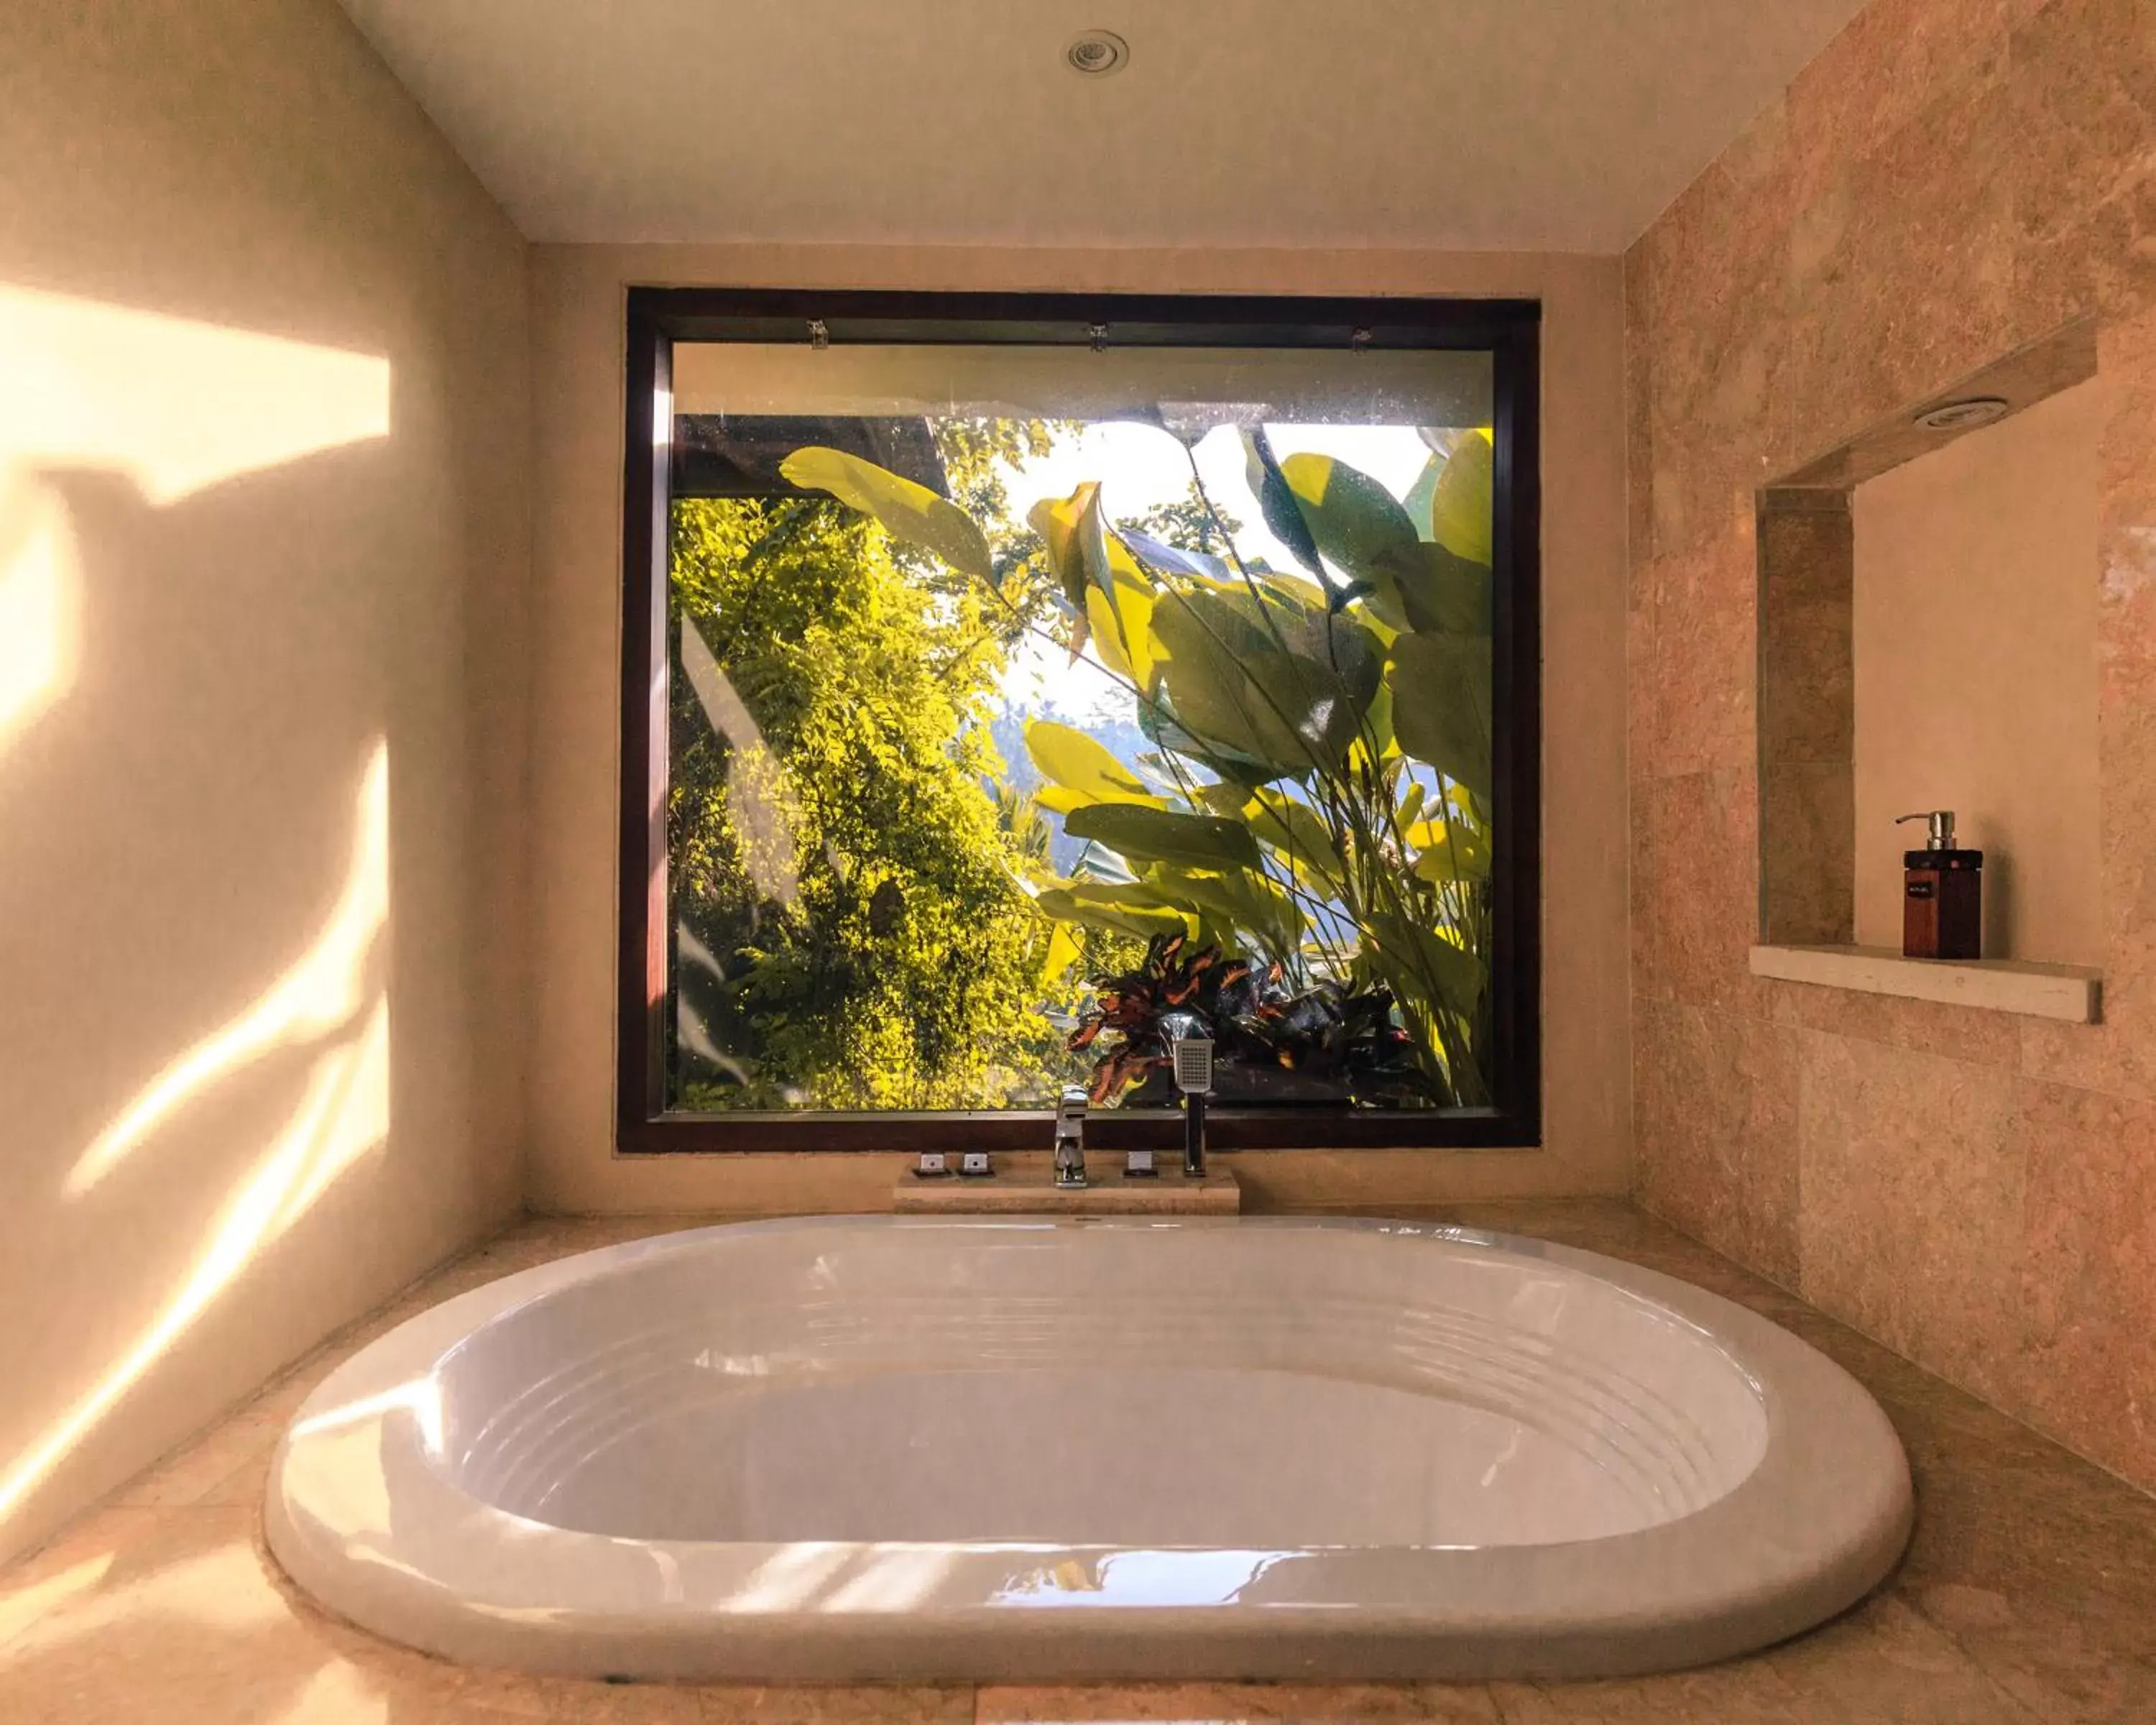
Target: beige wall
<point x="1946" y="183"/>
<point x="263" y="546"/>
<point x="1975" y="652"/>
<point x="576" y="307"/>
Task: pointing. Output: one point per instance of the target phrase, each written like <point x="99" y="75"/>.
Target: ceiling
<point x="1564" y="124"/>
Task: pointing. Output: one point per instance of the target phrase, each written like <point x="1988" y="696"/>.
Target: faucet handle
<point x="1070" y="1111"/>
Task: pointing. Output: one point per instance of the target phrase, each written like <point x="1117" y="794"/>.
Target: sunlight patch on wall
<point x="40" y="597"/>
<point x="343" y="1115"/>
<point x="320" y="995"/>
<point x="174" y="404"/>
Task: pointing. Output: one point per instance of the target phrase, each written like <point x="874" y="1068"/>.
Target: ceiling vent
<point x="1963" y="415"/>
<point x="1097" y="53"/>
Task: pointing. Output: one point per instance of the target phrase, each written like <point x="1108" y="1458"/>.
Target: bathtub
<point x="924" y="1449"/>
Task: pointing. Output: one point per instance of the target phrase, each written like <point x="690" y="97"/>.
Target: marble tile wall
<point x="1949" y="180"/>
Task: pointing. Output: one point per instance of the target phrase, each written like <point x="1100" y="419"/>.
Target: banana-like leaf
<point x="1410" y="803"/>
<point x="1264" y="682"/>
<point x="1198" y="841"/>
<point x="909" y="511"/>
<point x="1237" y="900"/>
<point x="1064" y="524"/>
<point x="1379" y="740"/>
<point x="1276" y="501"/>
<point x="1421" y="964"/>
<point x="1441" y="686"/>
<point x="1292" y="828"/>
<point x="1362" y="531"/>
<point x="1226" y="799"/>
<point x="1169" y="560"/>
<point x="1308" y="630"/>
<point x="1441" y="593"/>
<point x="1421" y="499"/>
<point x="1068" y="758"/>
<point x="1108" y="590"/>
<point x="1061" y="799"/>
<point x="1449" y="851"/>
<point x="1121" y="620"/>
<point x="1462" y="519"/>
<point x="1295" y="830"/>
<point x="1234" y="720"/>
<point x="1120" y="909"/>
<point x="1063" y="952"/>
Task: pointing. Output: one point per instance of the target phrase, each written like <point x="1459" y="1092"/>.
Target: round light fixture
<point x="1962" y="415"/>
<point x="1097" y="53"/>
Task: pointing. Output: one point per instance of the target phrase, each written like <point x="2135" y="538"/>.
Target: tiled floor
<point x="2029" y="1596"/>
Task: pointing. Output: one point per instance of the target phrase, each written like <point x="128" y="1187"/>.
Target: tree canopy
<point x="848" y="930"/>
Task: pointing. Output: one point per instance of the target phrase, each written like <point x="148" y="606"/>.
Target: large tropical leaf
<point x="1236" y="902"/>
<point x="1460" y="513"/>
<point x="1198" y="841"/>
<point x="908" y="510"/>
<point x="1063" y="951"/>
<point x="1422" y="495"/>
<point x="1119" y="908"/>
<point x="1264" y="681"/>
<point x="1441" y="687"/>
<point x="1231" y="718"/>
<point x="1119" y="616"/>
<point x="1276" y="501"/>
<point x="1105" y="587"/>
<point x="1449" y="851"/>
<point x="1439" y="591"/>
<point x="1171" y="560"/>
<point x="1295" y="830"/>
<point x="1421" y="964"/>
<point x="1068" y="758"/>
<point x="1063" y="523"/>
<point x="1362" y="531"/>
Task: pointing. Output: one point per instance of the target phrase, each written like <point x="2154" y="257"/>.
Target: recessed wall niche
<point x="1928" y="611"/>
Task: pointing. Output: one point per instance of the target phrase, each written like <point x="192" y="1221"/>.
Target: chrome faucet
<point x="1070" y="1138"/>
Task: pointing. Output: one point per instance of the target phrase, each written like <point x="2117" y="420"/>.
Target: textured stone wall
<point x="1950" y="180"/>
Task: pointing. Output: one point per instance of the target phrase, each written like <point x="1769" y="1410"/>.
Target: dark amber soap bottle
<point x="1941" y="894"/>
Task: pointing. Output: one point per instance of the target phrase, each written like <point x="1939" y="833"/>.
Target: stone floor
<point x="2029" y="1594"/>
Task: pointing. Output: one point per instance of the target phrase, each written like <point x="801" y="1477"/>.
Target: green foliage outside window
<point x="1314" y="802"/>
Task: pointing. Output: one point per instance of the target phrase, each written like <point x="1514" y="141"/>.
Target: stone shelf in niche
<point x="2067" y="991"/>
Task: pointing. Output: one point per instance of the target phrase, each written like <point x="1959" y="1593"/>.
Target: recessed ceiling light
<point x="1961" y="415"/>
<point x="1097" y="53"/>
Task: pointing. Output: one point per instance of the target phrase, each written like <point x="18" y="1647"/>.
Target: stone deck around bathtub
<point x="2027" y="1597"/>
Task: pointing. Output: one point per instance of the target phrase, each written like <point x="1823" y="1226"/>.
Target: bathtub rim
<point x="1824" y="1516"/>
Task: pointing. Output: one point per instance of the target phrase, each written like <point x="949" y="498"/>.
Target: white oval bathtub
<point x="850" y="1449"/>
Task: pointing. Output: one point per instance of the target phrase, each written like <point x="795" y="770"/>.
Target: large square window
<point x="1004" y="676"/>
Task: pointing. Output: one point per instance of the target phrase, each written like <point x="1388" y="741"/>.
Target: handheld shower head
<point x="1190" y="1050"/>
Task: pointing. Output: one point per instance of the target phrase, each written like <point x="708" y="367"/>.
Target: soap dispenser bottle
<point x="1942" y="893"/>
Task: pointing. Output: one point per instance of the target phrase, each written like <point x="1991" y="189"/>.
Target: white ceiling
<point x="1564" y="124"/>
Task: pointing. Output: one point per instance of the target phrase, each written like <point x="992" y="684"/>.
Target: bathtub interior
<point x="1232" y="1387"/>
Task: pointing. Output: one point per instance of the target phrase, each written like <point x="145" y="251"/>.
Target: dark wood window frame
<point x="1509" y="330"/>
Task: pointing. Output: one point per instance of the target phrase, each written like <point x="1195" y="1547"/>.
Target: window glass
<point x="1022" y="696"/>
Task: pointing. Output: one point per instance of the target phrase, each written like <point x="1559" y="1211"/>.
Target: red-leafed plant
<point x="1346" y="1046"/>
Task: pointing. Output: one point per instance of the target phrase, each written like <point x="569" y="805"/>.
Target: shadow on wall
<point x="195" y="843"/>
